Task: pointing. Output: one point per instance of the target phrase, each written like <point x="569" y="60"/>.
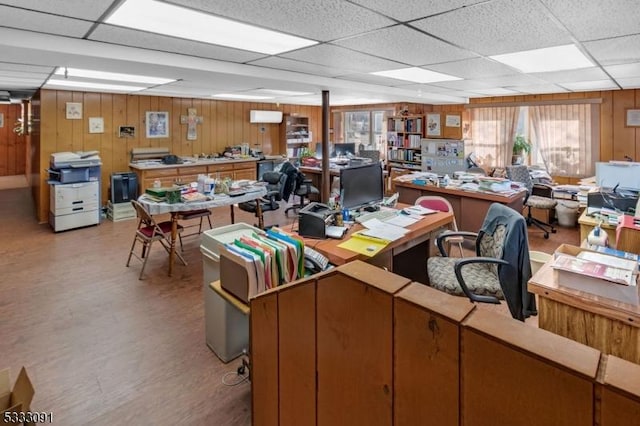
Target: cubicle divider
<point x="357" y="345"/>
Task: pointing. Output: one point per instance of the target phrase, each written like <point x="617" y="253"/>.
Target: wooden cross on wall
<point x="191" y="120"/>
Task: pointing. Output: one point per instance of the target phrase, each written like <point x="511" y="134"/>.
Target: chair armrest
<point x="449" y="234"/>
<point x="458" y="271"/>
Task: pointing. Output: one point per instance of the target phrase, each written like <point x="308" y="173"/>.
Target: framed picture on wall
<point x="96" y="125"/>
<point x="74" y="110"/>
<point x="157" y="124"/>
<point x="632" y="118"/>
<point x="127" y="131"/>
<point x="433" y="125"/>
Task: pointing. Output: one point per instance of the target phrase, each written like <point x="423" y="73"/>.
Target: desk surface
<point x="220" y="200"/>
<point x="340" y="256"/>
<point x="483" y="195"/>
<point x="545" y="284"/>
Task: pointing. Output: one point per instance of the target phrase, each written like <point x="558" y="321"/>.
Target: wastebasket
<point x="567" y="213"/>
<point x="538" y="259"/>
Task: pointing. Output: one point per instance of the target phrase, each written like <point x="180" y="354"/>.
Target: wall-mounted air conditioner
<point x="256" y="116"/>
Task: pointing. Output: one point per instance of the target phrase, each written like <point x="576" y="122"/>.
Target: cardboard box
<point x="584" y="281"/>
<point x="18" y="398"/>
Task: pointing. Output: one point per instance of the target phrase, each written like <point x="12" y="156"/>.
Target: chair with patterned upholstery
<point x="499" y="271"/>
<point x="521" y="174"/>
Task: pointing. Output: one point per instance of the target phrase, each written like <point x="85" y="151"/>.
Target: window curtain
<point x="493" y="131"/>
<point x="565" y="138"/>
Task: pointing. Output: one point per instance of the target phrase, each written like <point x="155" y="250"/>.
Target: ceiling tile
<point x="591" y="85"/>
<point x="465" y="84"/>
<point x="496" y="91"/>
<point x="321" y="20"/>
<point x="539" y="88"/>
<point x="339" y="57"/>
<point x="629" y="83"/>
<point x="496" y="27"/>
<point x="9" y="66"/>
<point x="373" y="79"/>
<point x="584" y="74"/>
<point x="419" y="48"/>
<point x="83" y="9"/>
<point x="592" y="20"/>
<point x="145" y="40"/>
<point x="414" y="9"/>
<point x="512" y="80"/>
<point x="620" y="50"/>
<point x="624" y="71"/>
<point x="473" y="68"/>
<point x="42" y="22"/>
<point x="298" y="66"/>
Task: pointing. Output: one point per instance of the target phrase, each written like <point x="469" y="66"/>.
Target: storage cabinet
<point x="403" y="141"/>
<point x="74" y="205"/>
<point x="295" y="135"/>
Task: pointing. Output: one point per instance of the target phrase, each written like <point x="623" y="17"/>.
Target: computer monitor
<point x="361" y="186"/>
<point x="344" y="149"/>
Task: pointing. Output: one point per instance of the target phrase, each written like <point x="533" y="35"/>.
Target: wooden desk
<point x="406" y="256"/>
<point x="470" y="208"/>
<point x="587" y="223"/>
<point x="608" y="325"/>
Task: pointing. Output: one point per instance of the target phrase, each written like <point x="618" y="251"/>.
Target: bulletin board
<point x="443" y="156"/>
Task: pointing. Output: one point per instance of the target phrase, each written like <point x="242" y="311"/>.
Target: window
<point x="367" y="129"/>
<point x="564" y="137"/>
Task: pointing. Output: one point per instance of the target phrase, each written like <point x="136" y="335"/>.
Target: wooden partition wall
<point x="358" y="345"/>
<point x="12" y="145"/>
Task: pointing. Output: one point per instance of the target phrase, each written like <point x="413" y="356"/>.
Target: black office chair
<point x="275" y="190"/>
<point x="302" y="187"/>
<point x="538" y="196"/>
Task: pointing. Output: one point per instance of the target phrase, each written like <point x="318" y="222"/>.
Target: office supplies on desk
<point x="363" y="244"/>
<point x="314" y="219"/>
<point x="335" y="231"/>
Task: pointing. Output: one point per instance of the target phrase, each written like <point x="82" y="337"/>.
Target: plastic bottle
<point x="446" y="180"/>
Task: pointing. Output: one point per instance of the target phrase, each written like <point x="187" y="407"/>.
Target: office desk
<point x="587" y="223"/>
<point x="608" y="325"/>
<point x="175" y="209"/>
<point x="406" y="256"/>
<point x="470" y="208"/>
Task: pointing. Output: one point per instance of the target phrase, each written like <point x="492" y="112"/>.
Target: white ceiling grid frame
<point x="474" y="68"/>
<point x="89" y="10"/>
<point x="42" y="22"/>
<point x="339" y="57"/>
<point x="409" y="10"/>
<point x="286" y="64"/>
<point x="583" y="74"/>
<point x="404" y="44"/>
<point x="613" y="51"/>
<point x="321" y="20"/>
<point x="497" y="27"/>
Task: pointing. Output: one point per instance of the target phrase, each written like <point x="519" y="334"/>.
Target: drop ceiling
<point x="354" y="39"/>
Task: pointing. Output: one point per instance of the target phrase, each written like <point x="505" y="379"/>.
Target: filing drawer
<point x="74" y="195"/>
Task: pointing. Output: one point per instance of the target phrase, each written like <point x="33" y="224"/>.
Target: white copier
<point x="74" y="199"/>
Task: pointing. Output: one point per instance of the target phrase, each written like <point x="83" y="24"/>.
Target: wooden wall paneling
<point x="238" y="124"/>
<point x="355" y="346"/>
<point x="77" y="126"/>
<point x="63" y="139"/>
<point x="516" y="374"/>
<point x="426" y="356"/>
<point x="221" y="115"/>
<point x="48" y="123"/>
<point x="4" y="142"/>
<point x="92" y="108"/>
<point x="135" y="116"/>
<point x="112" y="107"/>
<point x="297" y="354"/>
<point x="606" y="126"/>
<point x="620" y="393"/>
<point x="623" y="137"/>
<point x="636" y="156"/>
<point x="264" y="360"/>
<point x="144" y="105"/>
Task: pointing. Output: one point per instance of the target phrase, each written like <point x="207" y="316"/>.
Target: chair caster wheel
<point x="546" y="236"/>
<point x="553" y="231"/>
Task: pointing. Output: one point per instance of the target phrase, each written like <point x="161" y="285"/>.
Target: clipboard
<point x="364" y="244"/>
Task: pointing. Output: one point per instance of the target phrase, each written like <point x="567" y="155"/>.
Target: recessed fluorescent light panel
<point x="417" y="75"/>
<point x="162" y="18"/>
<point x="241" y="96"/>
<point x="558" y="58"/>
<point x="102" y="75"/>
<point x="55" y="83"/>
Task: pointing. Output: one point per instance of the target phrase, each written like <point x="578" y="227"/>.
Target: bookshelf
<point x="403" y="141"/>
<point x="295" y="134"/>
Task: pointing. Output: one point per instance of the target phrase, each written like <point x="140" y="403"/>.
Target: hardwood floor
<point x="104" y="348"/>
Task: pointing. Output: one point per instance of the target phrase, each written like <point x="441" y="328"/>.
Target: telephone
<point x="314" y="262"/>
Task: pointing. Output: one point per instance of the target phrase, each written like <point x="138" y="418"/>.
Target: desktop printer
<point x="313" y="220"/>
<point x="623" y="200"/>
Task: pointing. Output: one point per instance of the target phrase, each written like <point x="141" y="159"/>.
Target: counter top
<point x="201" y="162"/>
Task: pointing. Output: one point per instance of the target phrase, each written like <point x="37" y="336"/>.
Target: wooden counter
<point x="168" y="174"/>
<point x="470" y="208"/>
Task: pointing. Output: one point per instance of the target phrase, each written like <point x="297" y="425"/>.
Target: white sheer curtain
<point x="493" y="131"/>
<point x="565" y="138"/>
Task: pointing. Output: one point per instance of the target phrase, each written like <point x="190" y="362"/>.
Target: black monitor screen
<point x="344" y="149"/>
<point x="361" y="186"/>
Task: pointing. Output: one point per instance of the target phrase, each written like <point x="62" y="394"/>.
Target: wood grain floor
<point x="101" y="346"/>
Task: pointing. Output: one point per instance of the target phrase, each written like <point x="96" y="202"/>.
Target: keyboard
<point x="380" y="215"/>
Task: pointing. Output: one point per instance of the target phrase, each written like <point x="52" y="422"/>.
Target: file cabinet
<point x="74" y="205"/>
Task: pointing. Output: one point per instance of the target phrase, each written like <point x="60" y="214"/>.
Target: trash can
<point x="538" y="259"/>
<point x="567" y="213"/>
